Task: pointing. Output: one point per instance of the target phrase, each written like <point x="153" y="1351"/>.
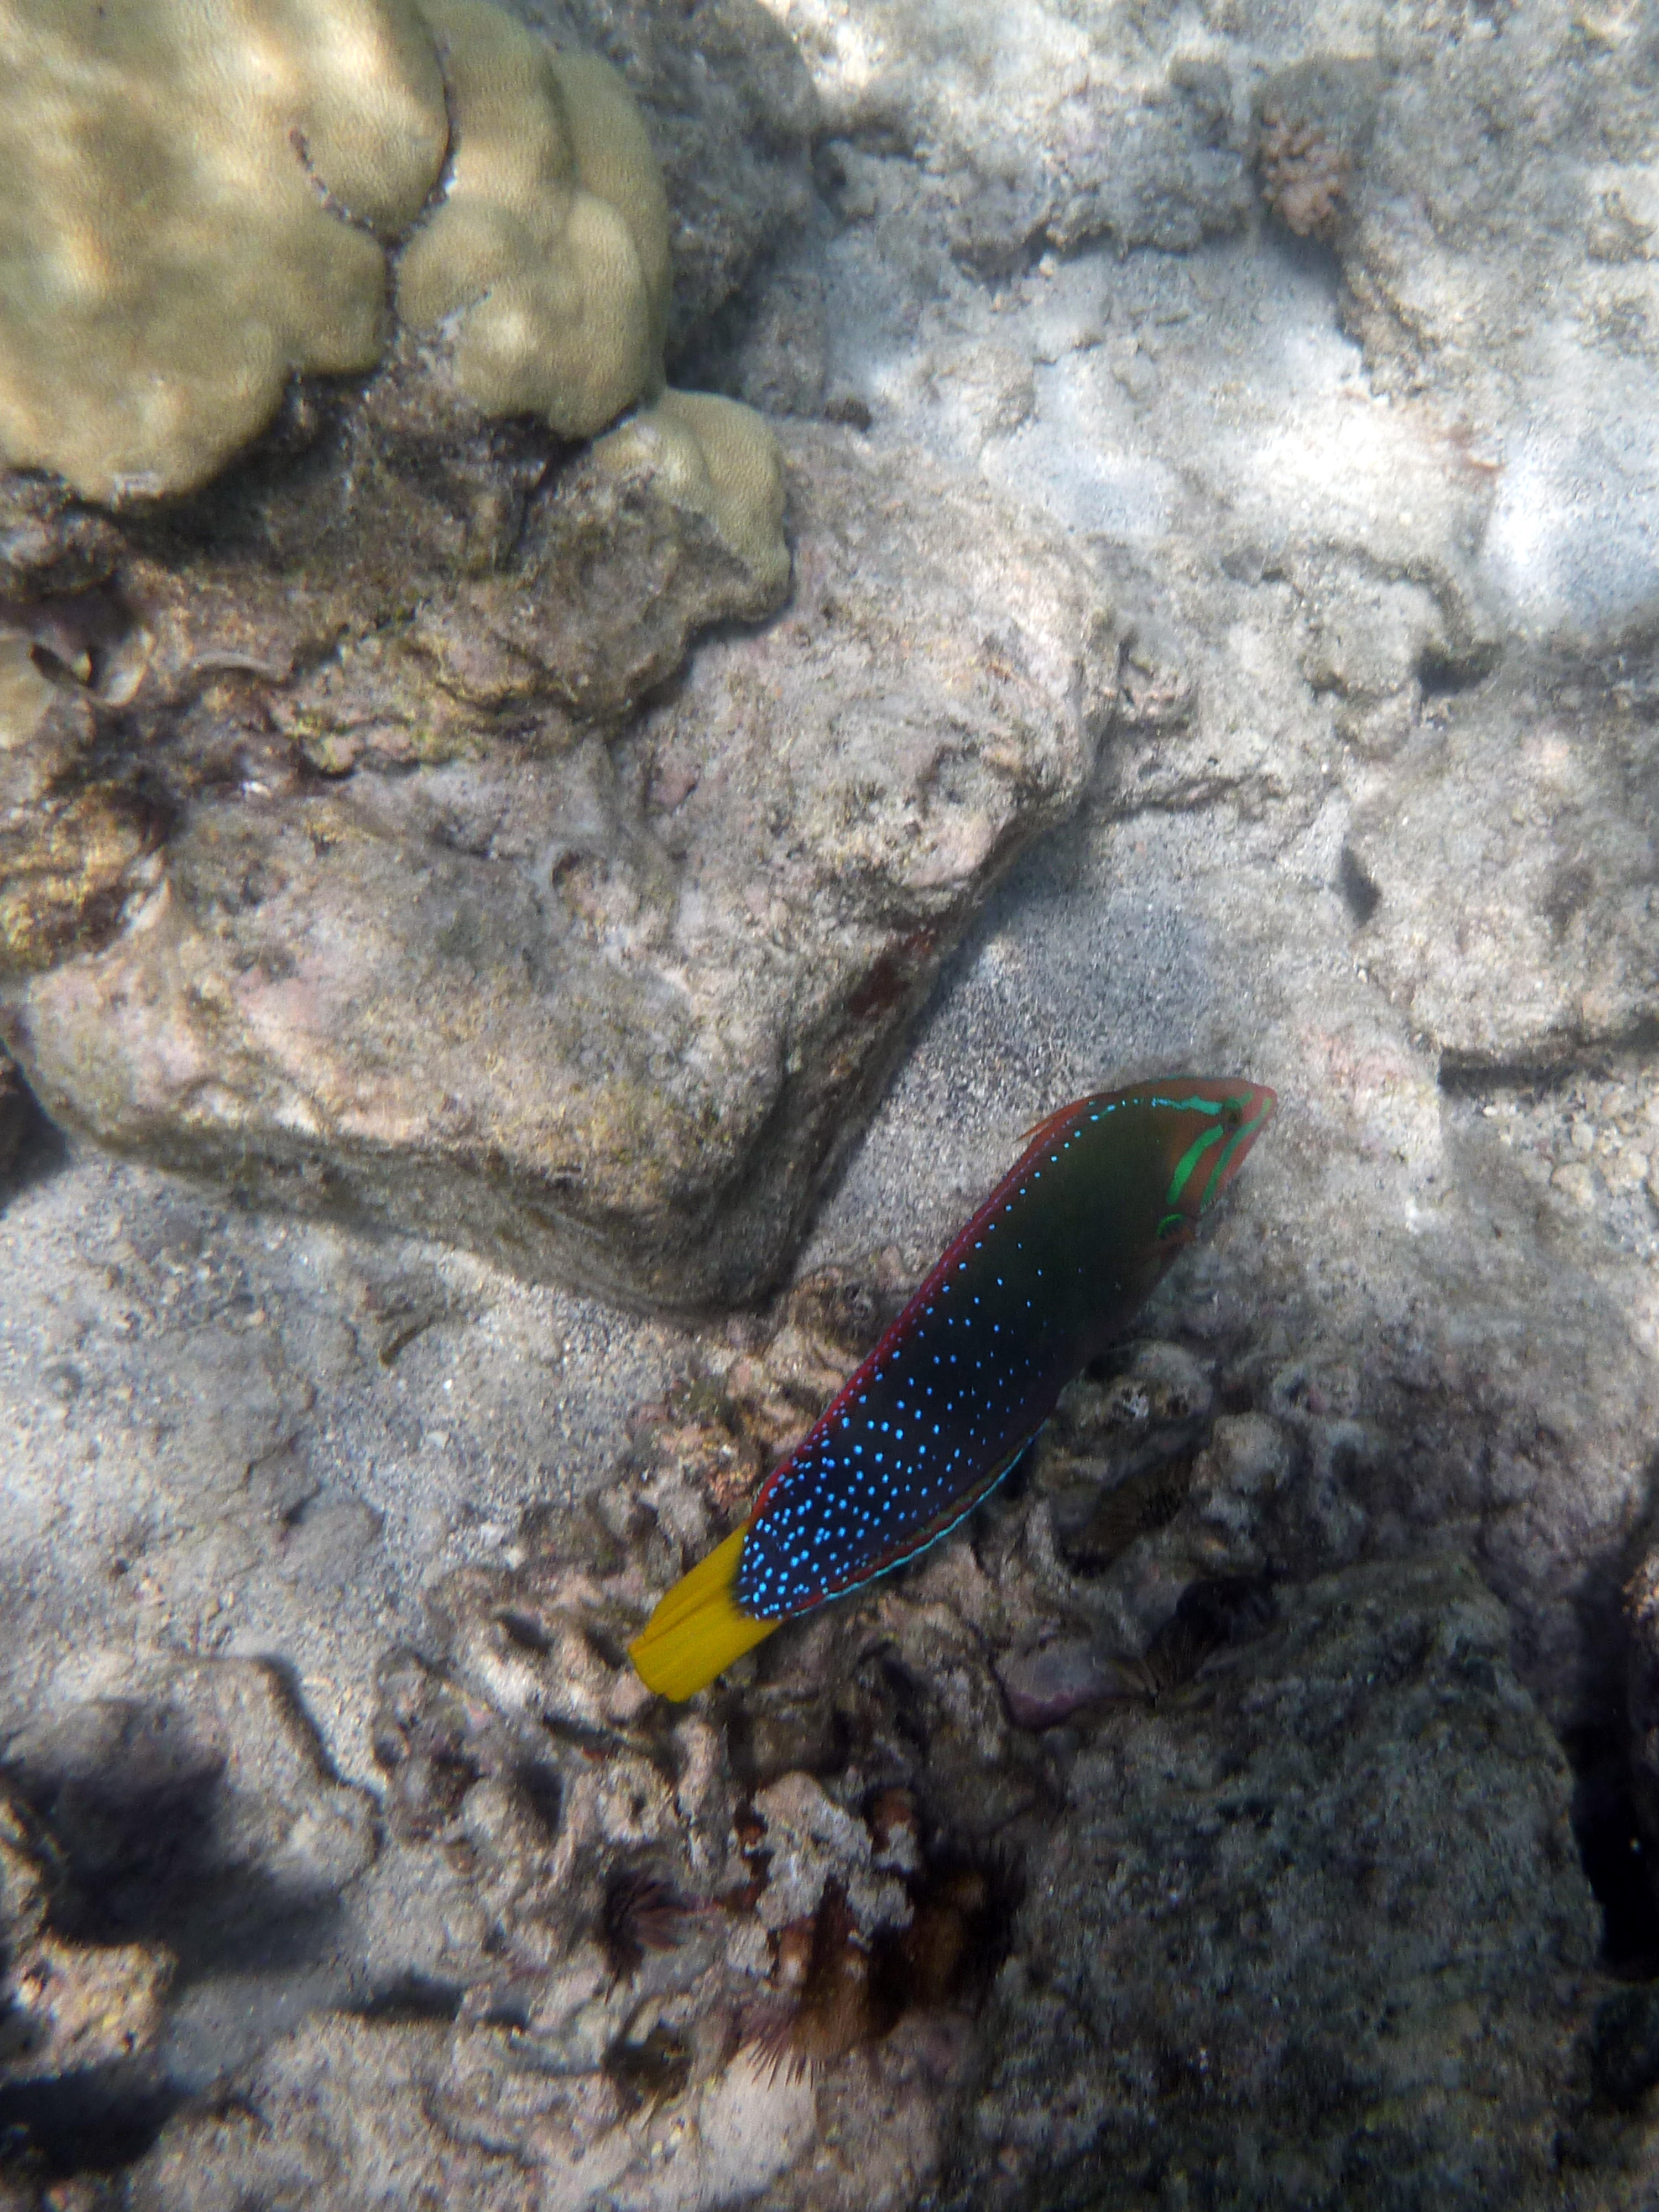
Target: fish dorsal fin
<point x="1049" y="1125"/>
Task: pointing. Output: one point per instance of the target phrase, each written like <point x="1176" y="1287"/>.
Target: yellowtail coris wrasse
<point x="1052" y="1267"/>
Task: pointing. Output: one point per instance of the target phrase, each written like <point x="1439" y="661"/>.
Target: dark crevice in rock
<point x="1611" y="1809"/>
<point x="1360" y="895"/>
<point x="412" y="1997"/>
<point x="1440" y="675"/>
<point x="737" y="350"/>
<point x="1625" y="2047"/>
<point x="541" y="1788"/>
<point x="33" y="1149"/>
<point x="288" y="1694"/>
<point x="999" y="257"/>
<point x="1308" y="257"/>
<point x="1465" y="1075"/>
<point x="1610" y="1844"/>
<point x="884" y="134"/>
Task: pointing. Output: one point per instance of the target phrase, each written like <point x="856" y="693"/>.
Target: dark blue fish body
<point x="1051" y="1268"/>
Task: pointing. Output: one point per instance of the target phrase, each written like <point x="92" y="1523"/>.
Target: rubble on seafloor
<point x="858" y="1899"/>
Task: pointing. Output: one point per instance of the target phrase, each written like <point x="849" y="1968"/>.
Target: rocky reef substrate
<point x="1228" y="473"/>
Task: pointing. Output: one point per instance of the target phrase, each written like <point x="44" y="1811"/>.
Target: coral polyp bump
<point x="1054" y="1266"/>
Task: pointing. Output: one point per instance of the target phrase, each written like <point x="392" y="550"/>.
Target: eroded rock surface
<point x="424" y="938"/>
<point x="1317" y="1933"/>
<point x="1035" y="128"/>
<point x="611" y="1953"/>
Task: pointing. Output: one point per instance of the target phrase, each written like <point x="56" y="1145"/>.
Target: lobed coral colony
<point x="206" y="199"/>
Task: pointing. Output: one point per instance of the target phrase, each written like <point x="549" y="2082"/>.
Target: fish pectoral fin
<point x="698" y="1628"/>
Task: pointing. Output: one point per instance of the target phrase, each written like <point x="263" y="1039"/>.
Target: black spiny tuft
<point x="641" y="1912"/>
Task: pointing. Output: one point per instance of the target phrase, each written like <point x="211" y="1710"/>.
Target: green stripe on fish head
<point x="1208" y="1129"/>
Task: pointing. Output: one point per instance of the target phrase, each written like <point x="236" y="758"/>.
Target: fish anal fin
<point x="923" y="1539"/>
<point x="698" y="1628"/>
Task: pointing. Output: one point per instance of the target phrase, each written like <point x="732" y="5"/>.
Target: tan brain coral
<point x="173" y="232"/>
<point x="548" y="260"/>
<point x="199" y="201"/>
<point x="550" y="249"/>
<point x="717" y="457"/>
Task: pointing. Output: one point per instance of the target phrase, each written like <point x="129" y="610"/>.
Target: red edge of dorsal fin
<point x="1045" y="1132"/>
<point x="1040" y="1131"/>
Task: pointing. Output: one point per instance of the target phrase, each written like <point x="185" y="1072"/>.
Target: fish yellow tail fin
<point x="697" y="1628"/>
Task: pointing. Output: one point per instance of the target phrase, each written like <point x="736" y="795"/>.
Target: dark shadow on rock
<point x="150" y="1853"/>
<point x="1606" y="1821"/>
<point x="411" y="1996"/>
<point x="1307" y="256"/>
<point x="1465" y="1075"/>
<point x="1611" y="1847"/>
<point x="31" y="1148"/>
<point x="92" y="2122"/>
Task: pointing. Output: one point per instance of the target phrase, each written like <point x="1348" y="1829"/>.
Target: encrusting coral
<point x="1304" y="176"/>
<point x="1316" y="120"/>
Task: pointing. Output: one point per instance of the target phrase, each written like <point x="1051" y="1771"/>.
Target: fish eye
<point x="1233" y="1115"/>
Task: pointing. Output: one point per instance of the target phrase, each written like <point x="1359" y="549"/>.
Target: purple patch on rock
<point x="1041" y="1688"/>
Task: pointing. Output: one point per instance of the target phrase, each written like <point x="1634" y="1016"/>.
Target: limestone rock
<point x="1499" y="256"/>
<point x="1317" y="1931"/>
<point x="610" y="1011"/>
<point x="1043" y="129"/>
<point x="1501" y="870"/>
<point x="1373" y="826"/>
<point x="1351" y="1826"/>
<point x="336" y="2102"/>
<point x="193" y="1803"/>
<point x="173" y="1852"/>
<point x="66" y="2006"/>
<point x="732" y="115"/>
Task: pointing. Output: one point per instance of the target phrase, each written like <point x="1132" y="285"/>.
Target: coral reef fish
<point x="1051" y="1268"/>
